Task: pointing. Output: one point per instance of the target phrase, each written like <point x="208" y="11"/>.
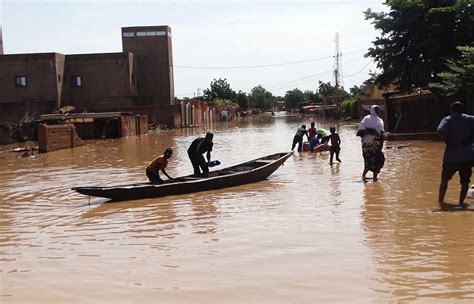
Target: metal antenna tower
<point x="338" y="81"/>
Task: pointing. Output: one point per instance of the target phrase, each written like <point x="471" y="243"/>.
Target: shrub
<point x="354" y="108"/>
<point x="346" y="107"/>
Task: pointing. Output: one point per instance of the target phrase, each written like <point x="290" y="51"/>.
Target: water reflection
<point x="419" y="254"/>
<point x="312" y="229"/>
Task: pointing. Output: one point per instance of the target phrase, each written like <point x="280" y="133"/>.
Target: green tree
<point x="417" y="38"/>
<point x="459" y="78"/>
<point x="294" y="98"/>
<point x="358" y="91"/>
<point x="326" y="89"/>
<point x="242" y="100"/>
<point x="310" y="96"/>
<point x="219" y="89"/>
<point x="346" y="107"/>
<point x="260" y="98"/>
<point x="223" y="104"/>
<point x="349" y="107"/>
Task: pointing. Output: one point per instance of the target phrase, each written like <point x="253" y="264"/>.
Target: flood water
<point x="310" y="233"/>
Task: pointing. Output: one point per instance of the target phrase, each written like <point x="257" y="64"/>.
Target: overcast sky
<point x="280" y="45"/>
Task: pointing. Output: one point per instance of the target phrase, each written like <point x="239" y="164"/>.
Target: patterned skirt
<point x="373" y="156"/>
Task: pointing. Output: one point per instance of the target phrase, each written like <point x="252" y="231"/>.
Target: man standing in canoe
<point x="157" y="165"/>
<point x="198" y="147"/>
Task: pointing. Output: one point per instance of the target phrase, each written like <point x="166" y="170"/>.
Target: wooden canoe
<point x="244" y="173"/>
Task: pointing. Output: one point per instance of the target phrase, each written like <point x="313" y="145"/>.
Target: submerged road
<point x="310" y="233"/>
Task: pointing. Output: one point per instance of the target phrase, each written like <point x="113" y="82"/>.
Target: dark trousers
<point x="464" y="169"/>
<point x="153" y="177"/>
<point x="297" y="140"/>
<point x="198" y="163"/>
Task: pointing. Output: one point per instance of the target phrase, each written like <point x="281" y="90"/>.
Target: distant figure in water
<point x="335" y="144"/>
<point x="311" y="132"/>
<point x="457" y="131"/>
<point x="198" y="147"/>
<point x="371" y="129"/>
<point x="159" y="164"/>
<point x="298" y="138"/>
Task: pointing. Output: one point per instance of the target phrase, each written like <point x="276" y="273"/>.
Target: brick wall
<point x="56" y="137"/>
<point x="127" y="123"/>
<point x="142" y="124"/>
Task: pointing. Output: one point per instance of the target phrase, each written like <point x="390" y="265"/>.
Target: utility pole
<point x="338" y="82"/>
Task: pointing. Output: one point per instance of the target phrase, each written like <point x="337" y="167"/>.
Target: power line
<point x="365" y="66"/>
<point x="301" y="80"/>
<point x="262" y="65"/>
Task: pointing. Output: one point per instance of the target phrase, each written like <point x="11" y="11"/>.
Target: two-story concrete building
<point x="142" y="75"/>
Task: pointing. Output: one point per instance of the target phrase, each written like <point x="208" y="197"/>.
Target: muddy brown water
<point x="310" y="233"/>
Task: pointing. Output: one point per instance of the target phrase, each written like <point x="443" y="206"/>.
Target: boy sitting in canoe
<point x="159" y="163"/>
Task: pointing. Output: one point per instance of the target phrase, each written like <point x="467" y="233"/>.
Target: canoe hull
<point x="258" y="169"/>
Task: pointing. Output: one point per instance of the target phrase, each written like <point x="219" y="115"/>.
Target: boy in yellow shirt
<point x="157" y="165"/>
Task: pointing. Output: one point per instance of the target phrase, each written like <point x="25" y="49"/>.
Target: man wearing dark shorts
<point x="457" y="131"/>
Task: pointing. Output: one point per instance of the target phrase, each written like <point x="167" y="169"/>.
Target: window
<point x="20" y="81"/>
<point x="77" y="81"/>
<point x="153" y="33"/>
<point x="128" y="34"/>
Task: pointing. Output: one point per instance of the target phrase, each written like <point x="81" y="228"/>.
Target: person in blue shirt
<point x="457" y="132"/>
<point x="316" y="140"/>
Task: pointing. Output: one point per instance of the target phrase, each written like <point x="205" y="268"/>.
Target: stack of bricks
<point x="56" y="137"/>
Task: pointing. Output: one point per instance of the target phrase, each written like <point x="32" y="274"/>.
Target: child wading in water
<point x="335" y="144"/>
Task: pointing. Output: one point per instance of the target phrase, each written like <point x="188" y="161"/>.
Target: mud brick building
<point x="141" y="75"/>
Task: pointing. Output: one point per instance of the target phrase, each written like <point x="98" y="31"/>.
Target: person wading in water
<point x="371" y="129"/>
<point x="457" y="132"/>
<point x="298" y="138"/>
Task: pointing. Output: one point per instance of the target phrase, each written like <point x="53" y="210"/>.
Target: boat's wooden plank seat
<point x="265" y="161"/>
